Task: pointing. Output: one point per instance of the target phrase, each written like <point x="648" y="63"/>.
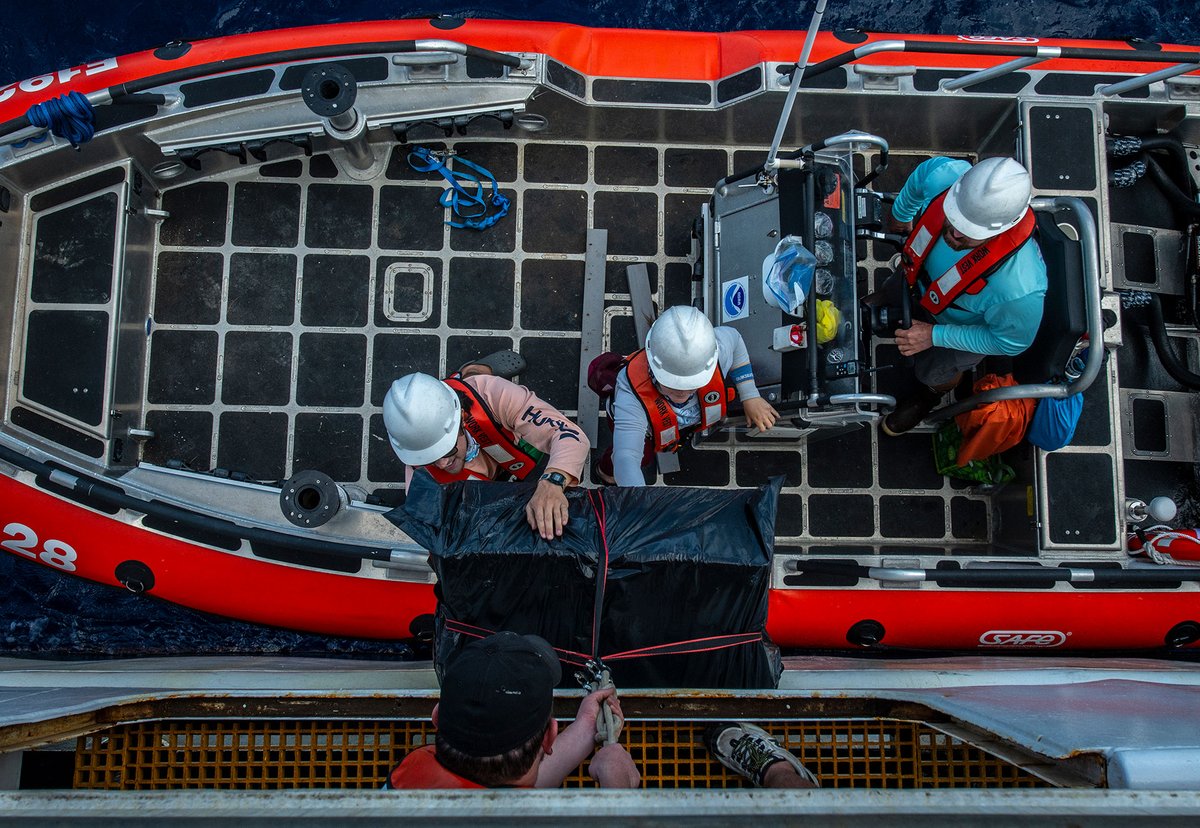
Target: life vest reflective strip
<point x="664" y="425"/>
<point x="967" y="275"/>
<point x="420" y="770"/>
<point x="497" y="442"/>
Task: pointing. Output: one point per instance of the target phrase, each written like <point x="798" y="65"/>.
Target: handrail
<point x="1145" y="80"/>
<point x="1089" y="250"/>
<point x="113" y="93"/>
<point x="994" y="72"/>
<point x="1016" y="50"/>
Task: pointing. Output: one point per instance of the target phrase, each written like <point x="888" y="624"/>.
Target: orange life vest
<point x="502" y="445"/>
<point x="969" y="274"/>
<point x="664" y="425"/>
<point x="421" y="770"/>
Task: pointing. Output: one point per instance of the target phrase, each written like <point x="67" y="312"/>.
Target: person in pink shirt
<point x="484" y="427"/>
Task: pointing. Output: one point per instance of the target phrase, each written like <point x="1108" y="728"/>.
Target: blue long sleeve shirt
<point x="1002" y="318"/>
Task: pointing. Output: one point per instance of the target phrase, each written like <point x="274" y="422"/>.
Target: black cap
<point x="497" y="693"/>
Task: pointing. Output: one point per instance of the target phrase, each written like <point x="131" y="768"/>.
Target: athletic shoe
<point x="749" y="750"/>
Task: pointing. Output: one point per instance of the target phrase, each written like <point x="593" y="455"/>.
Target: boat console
<point x="821" y="385"/>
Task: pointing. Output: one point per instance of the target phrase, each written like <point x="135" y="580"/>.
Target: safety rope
<point x="1165" y="534"/>
<point x="476" y="210"/>
<point x="68" y="116"/>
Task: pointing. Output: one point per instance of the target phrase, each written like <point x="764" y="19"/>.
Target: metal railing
<point x="1025" y="55"/>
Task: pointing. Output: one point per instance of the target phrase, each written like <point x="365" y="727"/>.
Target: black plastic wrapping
<point x="684" y="564"/>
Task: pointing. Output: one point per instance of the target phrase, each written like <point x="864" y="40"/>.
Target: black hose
<point x="1178" y="198"/>
<point x="1175" y="147"/>
<point x="1157" y="328"/>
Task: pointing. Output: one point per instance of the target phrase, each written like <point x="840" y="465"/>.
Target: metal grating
<point x="249" y="755"/>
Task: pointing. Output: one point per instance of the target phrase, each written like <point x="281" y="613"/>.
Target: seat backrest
<point x="1064" y="316"/>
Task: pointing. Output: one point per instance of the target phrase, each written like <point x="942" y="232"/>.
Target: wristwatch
<point x="556" y="478"/>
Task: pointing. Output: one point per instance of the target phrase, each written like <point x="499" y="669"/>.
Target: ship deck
<point x="288" y="297"/>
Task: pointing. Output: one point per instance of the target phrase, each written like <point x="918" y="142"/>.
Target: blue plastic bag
<point x="1054" y="422"/>
<point x="787" y="275"/>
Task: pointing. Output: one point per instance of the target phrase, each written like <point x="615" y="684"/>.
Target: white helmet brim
<point x="430" y="455"/>
<point x="969" y="228"/>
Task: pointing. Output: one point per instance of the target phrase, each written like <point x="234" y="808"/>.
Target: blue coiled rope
<point x="68" y="116"/>
<point x="476" y="210"/>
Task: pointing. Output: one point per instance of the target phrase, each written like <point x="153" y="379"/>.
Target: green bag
<point x="991" y="470"/>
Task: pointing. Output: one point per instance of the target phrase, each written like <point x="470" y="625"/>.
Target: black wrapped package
<point x="683" y="572"/>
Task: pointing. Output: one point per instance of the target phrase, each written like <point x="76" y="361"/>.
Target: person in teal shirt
<point x="982" y="203"/>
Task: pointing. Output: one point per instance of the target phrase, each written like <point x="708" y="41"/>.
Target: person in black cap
<point x="495" y="727"/>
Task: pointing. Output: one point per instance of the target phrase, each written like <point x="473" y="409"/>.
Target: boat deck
<point x="288" y="297"/>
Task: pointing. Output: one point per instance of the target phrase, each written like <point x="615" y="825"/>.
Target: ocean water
<point x="45" y="614"/>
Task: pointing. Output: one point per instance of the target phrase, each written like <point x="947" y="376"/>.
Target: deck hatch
<point x="1062" y="140"/>
<point x="65" y="362"/>
<point x="73" y="253"/>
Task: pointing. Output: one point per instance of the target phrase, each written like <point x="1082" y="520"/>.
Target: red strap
<point x="696" y="645"/>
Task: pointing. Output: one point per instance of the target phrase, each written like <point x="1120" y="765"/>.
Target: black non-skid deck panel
<point x="364" y="70"/>
<point x="929" y="80"/>
<point x="565" y="78"/>
<point x="651" y="92"/>
<point x="227" y="87"/>
<point x="73" y="253"/>
<point x="56" y="432"/>
<point x="65" y="362"/>
<point x="70" y="191"/>
<point x="1081" y="488"/>
<point x="274" y="342"/>
<point x="740" y="84"/>
<point x="1062" y="148"/>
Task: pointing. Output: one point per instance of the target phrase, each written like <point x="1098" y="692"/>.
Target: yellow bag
<point x="829" y="319"/>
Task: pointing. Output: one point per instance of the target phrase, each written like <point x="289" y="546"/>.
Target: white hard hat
<point x="422" y="416"/>
<point x="989" y="198"/>
<point x="682" y="348"/>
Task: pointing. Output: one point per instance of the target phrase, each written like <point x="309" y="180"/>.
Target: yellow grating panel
<point x="844" y="753"/>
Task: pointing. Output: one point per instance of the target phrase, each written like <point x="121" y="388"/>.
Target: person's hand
<point x="900" y="228"/>
<point x="916" y="339"/>
<point x="589" y="708"/>
<point x="613" y="767"/>
<point x="547" y="510"/>
<point x="760" y="413"/>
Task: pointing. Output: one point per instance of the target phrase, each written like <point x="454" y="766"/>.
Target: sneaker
<point x="749" y="750"/>
<point x="505" y="364"/>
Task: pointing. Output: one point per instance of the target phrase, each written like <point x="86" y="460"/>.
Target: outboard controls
<point x="310" y="499"/>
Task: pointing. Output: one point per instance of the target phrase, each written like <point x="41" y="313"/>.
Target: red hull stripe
<point x="621" y="53"/>
<point x="207" y="579"/>
<point x="264" y="592"/>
